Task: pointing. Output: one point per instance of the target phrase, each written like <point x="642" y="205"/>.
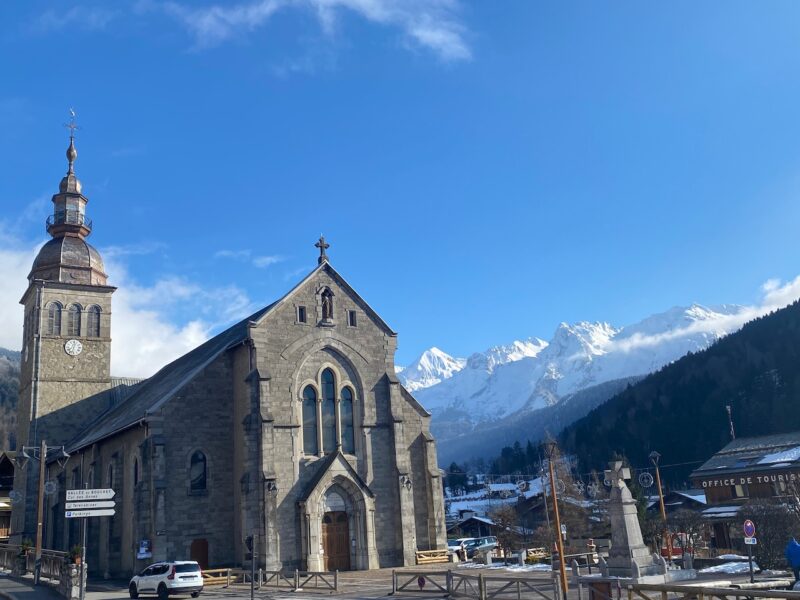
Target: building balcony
<point x="70" y="220"/>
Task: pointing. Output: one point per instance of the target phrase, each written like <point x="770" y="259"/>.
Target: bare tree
<point x="776" y="523"/>
<point x="688" y="524"/>
<point x="507" y="520"/>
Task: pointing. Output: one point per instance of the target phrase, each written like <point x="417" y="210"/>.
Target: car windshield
<point x="187" y="568"/>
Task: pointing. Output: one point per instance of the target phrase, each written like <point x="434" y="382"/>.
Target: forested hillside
<point x="9" y="388"/>
<point x="680" y="410"/>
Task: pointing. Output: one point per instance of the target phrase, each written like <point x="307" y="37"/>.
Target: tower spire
<point x="72" y="153"/>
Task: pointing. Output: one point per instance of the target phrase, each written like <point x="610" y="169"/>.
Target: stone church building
<point x="290" y="426"/>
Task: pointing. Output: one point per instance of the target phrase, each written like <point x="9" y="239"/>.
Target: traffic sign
<point x="100" y="494"/>
<point x="750" y="541"/>
<point x="90" y="505"/>
<point x="749" y="529"/>
<point x="78" y="514"/>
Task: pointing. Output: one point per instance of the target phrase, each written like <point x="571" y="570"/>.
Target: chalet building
<point x="676" y="500"/>
<point x="759" y="467"/>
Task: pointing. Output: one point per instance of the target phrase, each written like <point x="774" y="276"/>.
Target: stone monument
<point x="629" y="556"/>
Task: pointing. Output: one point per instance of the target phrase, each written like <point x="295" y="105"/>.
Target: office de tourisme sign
<point x="750" y="479"/>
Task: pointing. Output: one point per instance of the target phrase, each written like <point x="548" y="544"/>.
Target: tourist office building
<point x="290" y="426"/>
<point x="758" y="467"/>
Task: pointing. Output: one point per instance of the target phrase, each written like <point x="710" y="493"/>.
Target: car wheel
<point x="163" y="592"/>
<point x="132" y="591"/>
<point x="195" y="594"/>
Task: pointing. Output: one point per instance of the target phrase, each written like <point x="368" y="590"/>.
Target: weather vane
<point x="72" y="126"/>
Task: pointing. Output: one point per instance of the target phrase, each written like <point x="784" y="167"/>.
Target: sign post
<point x="750" y="541"/>
<point x="82" y="504"/>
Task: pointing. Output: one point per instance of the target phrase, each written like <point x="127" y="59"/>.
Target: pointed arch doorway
<point x="336" y="541"/>
<point x="335" y="531"/>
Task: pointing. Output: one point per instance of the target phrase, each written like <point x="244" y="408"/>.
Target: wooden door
<point x="336" y="541"/>
<point x="199" y="552"/>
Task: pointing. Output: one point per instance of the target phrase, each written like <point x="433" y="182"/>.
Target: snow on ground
<point x="731" y="568"/>
<point x="503" y="567"/>
<point x="732" y="557"/>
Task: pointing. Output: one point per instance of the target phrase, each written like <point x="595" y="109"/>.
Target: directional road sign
<point x="90" y="505"/>
<point x="749" y="528"/>
<point x="77" y="514"/>
<point x="79" y="495"/>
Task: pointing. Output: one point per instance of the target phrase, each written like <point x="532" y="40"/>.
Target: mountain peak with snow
<point x="532" y="374"/>
<point x="433" y="366"/>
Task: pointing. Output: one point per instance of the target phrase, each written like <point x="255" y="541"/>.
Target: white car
<point x="168" y="578"/>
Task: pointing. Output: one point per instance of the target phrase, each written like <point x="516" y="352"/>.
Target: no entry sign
<point x="749" y="529"/>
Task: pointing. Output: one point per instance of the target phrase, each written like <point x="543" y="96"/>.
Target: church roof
<point x="150" y="394"/>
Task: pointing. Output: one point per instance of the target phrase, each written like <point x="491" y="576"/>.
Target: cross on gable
<point x="617" y="474"/>
<point x="322" y="245"/>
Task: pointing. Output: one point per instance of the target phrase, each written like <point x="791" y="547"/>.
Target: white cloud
<point x="260" y="262"/>
<point x="775" y="295"/>
<point x="152" y="324"/>
<point x="92" y="18"/>
<point x="155" y="324"/>
<point x="434" y="25"/>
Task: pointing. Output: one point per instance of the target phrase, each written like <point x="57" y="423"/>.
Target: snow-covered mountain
<point x="533" y="374"/>
<point x="432" y="367"/>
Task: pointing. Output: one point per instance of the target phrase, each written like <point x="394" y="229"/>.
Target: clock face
<point x="73" y="347"/>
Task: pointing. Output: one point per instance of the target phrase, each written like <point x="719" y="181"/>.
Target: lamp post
<point x="654" y="458"/>
<point x="39" y="454"/>
<point x="550" y="448"/>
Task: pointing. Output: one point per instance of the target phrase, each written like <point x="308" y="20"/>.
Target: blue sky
<point x="482" y="170"/>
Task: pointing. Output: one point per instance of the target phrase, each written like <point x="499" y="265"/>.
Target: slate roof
<point x="754" y="454"/>
<point x="148" y="395"/>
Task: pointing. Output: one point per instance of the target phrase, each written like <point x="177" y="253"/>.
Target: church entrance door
<point x="336" y="541"/>
<point x="199" y="552"/>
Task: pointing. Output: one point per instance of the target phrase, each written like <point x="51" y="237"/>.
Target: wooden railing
<point x="741" y="591"/>
<point x="474" y="587"/>
<point x="426" y="557"/>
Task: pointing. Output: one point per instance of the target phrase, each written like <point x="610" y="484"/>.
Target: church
<point x="290" y="426"/>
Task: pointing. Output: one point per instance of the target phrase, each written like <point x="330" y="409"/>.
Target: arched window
<point x="54" y="319"/>
<point x="346" y="412"/>
<point x="328" y="411"/>
<point x="327" y="305"/>
<point x="74" y="320"/>
<point x="310" y="445"/>
<point x="93" y="322"/>
<point x="197" y="472"/>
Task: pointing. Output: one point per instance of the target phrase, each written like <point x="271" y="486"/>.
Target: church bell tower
<point x="66" y="352"/>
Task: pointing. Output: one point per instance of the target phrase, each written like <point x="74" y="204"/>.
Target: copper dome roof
<point x="69" y="259"/>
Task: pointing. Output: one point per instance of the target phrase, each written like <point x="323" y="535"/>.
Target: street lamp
<point x="40" y="454"/>
<point x="654" y="458"/>
<point x="551" y="451"/>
